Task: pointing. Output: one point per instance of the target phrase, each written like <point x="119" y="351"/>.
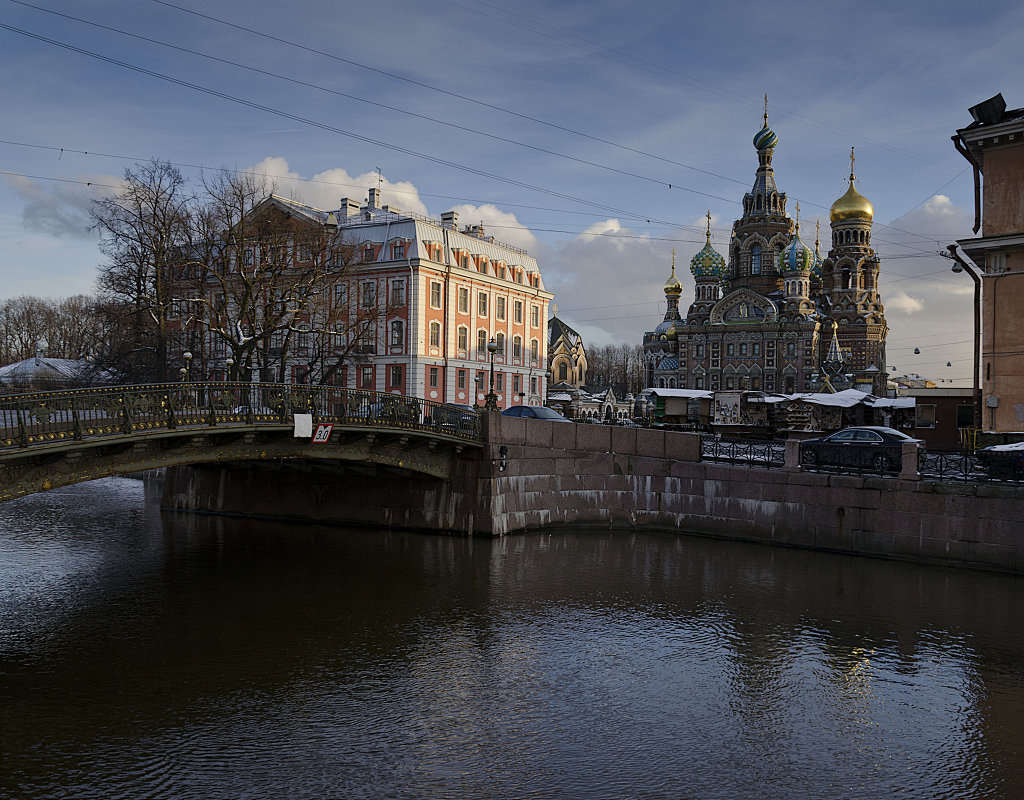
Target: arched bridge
<point x="51" y="439"/>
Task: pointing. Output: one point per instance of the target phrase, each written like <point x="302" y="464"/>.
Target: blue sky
<point x="597" y="134"/>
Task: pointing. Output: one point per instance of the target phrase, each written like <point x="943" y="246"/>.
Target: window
<point x="743" y="348"/>
<point x="499" y="307"/>
<point x="925" y="417"/>
<point x="435" y="334"/>
<point x="481" y="342"/>
<point x="730" y="349"/>
<point x="481" y="381"/>
<point x="534" y="349"/>
<point x="755" y="348"/>
<point x="368" y="254"/>
<point x="535" y="316"/>
<point x="341" y="294"/>
<point x="500" y="341"/>
<point x="464" y="261"/>
<point x="396" y="376"/>
<point x="366" y="377"/>
<point x="791" y="349"/>
<point x="435" y="294"/>
<point x="461" y="378"/>
<point x="964" y="416"/>
<point x="517" y="382"/>
<point x="533" y="385"/>
<point x="398" y="250"/>
<point x="397" y="333"/>
<point x="517" y="311"/>
<point x="369" y="294"/>
<point x="517" y="347"/>
<point x="481" y="304"/>
<point x="398" y="293"/>
<point x="463" y="338"/>
<point x="563" y="371"/>
<point x="755" y="260"/>
<point x="499" y="381"/>
<point x="463" y="300"/>
<point x="433" y="377"/>
<point x="729" y="383"/>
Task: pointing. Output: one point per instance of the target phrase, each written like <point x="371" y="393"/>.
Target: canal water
<point x="175" y="656"/>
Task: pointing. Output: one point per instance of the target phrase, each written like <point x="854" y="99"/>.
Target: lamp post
<point x="187" y="358"/>
<point x="491" y="401"/>
<point x="959" y="265"/>
<point x="228" y="364"/>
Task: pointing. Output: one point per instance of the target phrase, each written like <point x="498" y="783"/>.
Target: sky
<point x="596" y="134"/>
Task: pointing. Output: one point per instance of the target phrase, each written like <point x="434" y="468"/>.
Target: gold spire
<point x="709" y="228"/>
<point x="797" y="217"/>
<point x="817" y="237"/>
<point x="672" y="285"/>
<point x="852" y="159"/>
<point x="766" y="108"/>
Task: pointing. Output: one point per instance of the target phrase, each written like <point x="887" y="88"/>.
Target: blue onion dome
<point x="796" y="256"/>
<point x="708" y="263"/>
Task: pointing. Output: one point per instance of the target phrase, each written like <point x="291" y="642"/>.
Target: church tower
<point x="850" y="284"/>
<point x="763" y="230"/>
<point x="795" y="264"/>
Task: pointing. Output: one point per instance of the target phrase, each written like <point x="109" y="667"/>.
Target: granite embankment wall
<point x="600" y="476"/>
<point x="533" y="475"/>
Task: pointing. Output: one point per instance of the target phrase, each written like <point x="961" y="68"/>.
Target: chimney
<point x="450" y="219"/>
<point x="349" y="209"/>
<point x="374" y="199"/>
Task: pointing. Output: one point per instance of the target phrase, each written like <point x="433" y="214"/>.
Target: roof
<point x="558" y="329"/>
<point x="680" y="392"/>
<point x="42" y="370"/>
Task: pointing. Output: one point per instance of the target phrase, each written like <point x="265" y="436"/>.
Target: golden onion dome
<point x="852" y="205"/>
<point x="672" y="285"/>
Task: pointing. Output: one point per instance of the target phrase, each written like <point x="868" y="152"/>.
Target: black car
<point x="455" y="417"/>
<point x="535" y="412"/>
<point x="1003" y="461"/>
<point x="869" y="447"/>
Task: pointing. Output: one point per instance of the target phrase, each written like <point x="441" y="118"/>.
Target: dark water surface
<point x="195" y="657"/>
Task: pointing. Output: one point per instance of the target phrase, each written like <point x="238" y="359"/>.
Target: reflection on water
<point x="189" y="656"/>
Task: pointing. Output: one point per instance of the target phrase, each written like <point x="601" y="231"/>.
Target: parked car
<point x="1003" y="461"/>
<point x="534" y="412"/>
<point x="869" y="447"/>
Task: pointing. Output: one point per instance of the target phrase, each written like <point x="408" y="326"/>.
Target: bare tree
<point x="145" y="229"/>
<point x="267" y="287"/>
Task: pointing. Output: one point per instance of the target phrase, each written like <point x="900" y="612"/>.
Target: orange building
<point x="994" y="145"/>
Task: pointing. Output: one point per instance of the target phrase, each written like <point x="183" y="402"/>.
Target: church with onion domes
<point x="775" y="316"/>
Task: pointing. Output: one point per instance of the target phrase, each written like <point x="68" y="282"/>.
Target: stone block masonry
<point x="533" y="475"/>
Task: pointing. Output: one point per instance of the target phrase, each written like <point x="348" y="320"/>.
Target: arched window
<point x="481" y="342"/>
<point x="397" y="333"/>
<point x="435" y="334"/>
<point x="755" y="260"/>
<point x="463" y="338"/>
<point x="563" y="371"/>
<point x="517" y="346"/>
<point x="500" y="340"/>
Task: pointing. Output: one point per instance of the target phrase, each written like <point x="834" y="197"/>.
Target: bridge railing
<point x="74" y="414"/>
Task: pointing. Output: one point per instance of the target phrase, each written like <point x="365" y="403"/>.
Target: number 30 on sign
<point x="322" y="434"/>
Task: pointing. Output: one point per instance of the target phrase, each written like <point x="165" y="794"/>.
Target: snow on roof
<point x="844" y="399"/>
<point x="680" y="392"/>
<point x="894" y="402"/>
<point x="559" y="396"/>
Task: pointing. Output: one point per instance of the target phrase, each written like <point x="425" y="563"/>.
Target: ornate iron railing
<point x="749" y="452"/>
<point x="968" y="468"/>
<point x="73" y="414"/>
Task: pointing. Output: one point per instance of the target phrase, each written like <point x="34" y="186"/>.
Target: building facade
<point x="776" y="316"/>
<point x="412" y="312"/>
<point x="994" y="145"/>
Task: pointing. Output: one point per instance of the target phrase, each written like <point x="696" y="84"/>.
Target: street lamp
<point x="228" y="364"/>
<point x="959" y="265"/>
<point x="187" y="356"/>
<point x="491" y="401"/>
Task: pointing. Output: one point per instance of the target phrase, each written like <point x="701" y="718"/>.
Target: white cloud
<point x="504" y="226"/>
<point x="903" y="303"/>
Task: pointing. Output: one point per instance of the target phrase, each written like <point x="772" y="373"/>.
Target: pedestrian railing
<point x="748" y="452"/>
<point x="74" y="414"/>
